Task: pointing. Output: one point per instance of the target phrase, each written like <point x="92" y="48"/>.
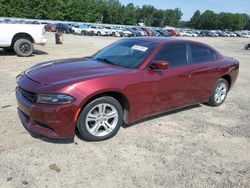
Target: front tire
<point x="100" y="119"/>
<point x="23" y="47"/>
<point x="219" y="93"/>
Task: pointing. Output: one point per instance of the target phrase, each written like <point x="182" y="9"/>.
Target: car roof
<point x="165" y="40"/>
<point x="160" y="39"/>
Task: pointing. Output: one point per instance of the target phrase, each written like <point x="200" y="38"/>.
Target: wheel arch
<point x="119" y="96"/>
<point x="18" y="36"/>
<point x="228" y="79"/>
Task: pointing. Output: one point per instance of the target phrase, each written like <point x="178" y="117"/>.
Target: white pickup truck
<point x="21" y="37"/>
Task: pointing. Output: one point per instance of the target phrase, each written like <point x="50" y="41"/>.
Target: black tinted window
<point x="212" y="55"/>
<point x="175" y="54"/>
<point x="202" y="54"/>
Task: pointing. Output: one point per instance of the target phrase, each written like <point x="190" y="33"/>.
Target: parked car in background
<point x="155" y="32"/>
<point x="162" y="32"/>
<point x="173" y="32"/>
<point x="207" y="34"/>
<point x="101" y="31"/>
<point x="140" y="31"/>
<point x="135" y="33"/>
<point x="79" y="29"/>
<point x="97" y="95"/>
<point x="186" y="33"/>
<point x="126" y="33"/>
<point x="231" y="34"/>
<point x="32" y="22"/>
<point x="50" y="27"/>
<point x="62" y="27"/>
<point x="115" y="32"/>
<point x="90" y="30"/>
<point x="246" y="34"/>
<point x="214" y="33"/>
<point x="21" y="37"/>
<point x="148" y="32"/>
<point x="238" y="33"/>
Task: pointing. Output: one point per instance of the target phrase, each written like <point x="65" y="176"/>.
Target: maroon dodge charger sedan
<point x="123" y="83"/>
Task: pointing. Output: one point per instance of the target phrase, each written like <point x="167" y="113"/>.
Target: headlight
<point x="54" y="99"/>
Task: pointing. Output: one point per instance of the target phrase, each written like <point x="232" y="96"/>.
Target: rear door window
<point x="175" y="54"/>
<point x="201" y="54"/>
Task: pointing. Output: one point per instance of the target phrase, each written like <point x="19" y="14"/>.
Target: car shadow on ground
<point x="36" y="52"/>
<point x="52" y="140"/>
<point x="125" y="126"/>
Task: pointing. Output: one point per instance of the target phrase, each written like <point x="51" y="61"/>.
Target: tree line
<point x="223" y="20"/>
<point x="113" y="12"/>
<point x="101" y="11"/>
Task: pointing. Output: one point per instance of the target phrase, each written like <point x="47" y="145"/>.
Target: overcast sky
<point x="188" y="7"/>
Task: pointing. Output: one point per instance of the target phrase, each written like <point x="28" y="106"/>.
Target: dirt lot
<point x="200" y="146"/>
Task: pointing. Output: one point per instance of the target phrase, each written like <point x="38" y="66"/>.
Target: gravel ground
<point x="199" y="146"/>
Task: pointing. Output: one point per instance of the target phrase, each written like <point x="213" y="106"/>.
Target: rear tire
<point x="23" y="47"/>
<point x="219" y="93"/>
<point x="100" y="119"/>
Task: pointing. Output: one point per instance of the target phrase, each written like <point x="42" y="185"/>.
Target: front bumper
<point x="53" y="121"/>
<point x="41" y="41"/>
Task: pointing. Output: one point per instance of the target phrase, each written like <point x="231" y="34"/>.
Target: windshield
<point x="126" y="53"/>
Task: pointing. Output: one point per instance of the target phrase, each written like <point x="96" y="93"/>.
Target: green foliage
<point x="112" y="11"/>
<point x="211" y="20"/>
<point x="195" y="20"/>
<point x="101" y="11"/>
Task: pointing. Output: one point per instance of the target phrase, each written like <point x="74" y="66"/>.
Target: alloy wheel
<point x="220" y="92"/>
<point x="101" y="119"/>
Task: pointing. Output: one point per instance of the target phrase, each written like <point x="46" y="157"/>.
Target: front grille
<point x="28" y="95"/>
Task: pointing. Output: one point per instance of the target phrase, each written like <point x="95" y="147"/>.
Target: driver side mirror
<point x="159" y="65"/>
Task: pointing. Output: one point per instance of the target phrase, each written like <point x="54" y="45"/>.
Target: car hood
<point x="71" y="70"/>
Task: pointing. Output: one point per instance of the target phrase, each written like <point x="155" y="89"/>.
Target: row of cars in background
<point x="108" y="30"/>
<point x="128" y="31"/>
<point x="214" y="33"/>
<point x="132" y="31"/>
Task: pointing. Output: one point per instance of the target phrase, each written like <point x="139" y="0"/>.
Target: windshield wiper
<point x="105" y="60"/>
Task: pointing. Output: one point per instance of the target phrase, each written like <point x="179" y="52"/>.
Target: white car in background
<point x="89" y="30"/>
<point x="21" y="37"/>
<point x="115" y="32"/>
<point x="126" y="33"/>
<point x="246" y="34"/>
<point x="188" y="34"/>
<point x="231" y="34"/>
<point x="101" y="31"/>
<point x="215" y="33"/>
<point x="79" y="29"/>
